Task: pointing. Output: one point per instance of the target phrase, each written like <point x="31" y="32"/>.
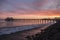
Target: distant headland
<point x="9" y="19"/>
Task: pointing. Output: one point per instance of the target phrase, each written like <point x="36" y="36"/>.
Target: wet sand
<point x="21" y="35"/>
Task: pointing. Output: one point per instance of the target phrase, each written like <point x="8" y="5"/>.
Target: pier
<point x="37" y="20"/>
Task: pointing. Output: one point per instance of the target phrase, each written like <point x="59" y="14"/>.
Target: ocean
<point x="21" y="25"/>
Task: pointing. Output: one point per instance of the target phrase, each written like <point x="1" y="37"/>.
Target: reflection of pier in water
<point x="37" y="20"/>
<point x="20" y="22"/>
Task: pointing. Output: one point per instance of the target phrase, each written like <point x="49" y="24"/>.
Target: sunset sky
<point x="29" y="8"/>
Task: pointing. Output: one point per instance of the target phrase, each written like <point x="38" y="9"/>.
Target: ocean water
<point x="16" y="23"/>
<point x="21" y="25"/>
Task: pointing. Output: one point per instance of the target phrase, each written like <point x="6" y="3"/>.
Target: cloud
<point x="2" y="3"/>
<point x="40" y="7"/>
<point x="46" y="4"/>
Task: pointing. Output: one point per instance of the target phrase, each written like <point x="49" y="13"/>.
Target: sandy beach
<point x="21" y="35"/>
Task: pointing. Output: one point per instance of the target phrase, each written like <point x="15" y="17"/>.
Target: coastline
<point x="18" y="34"/>
<point x="50" y="33"/>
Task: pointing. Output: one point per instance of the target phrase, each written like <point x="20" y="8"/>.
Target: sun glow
<point x="33" y="17"/>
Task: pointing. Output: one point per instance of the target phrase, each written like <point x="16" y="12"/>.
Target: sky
<point x="29" y="8"/>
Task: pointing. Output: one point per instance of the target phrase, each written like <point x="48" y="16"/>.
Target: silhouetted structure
<point x="9" y="19"/>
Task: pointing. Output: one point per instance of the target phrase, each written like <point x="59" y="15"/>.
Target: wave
<point x="21" y="28"/>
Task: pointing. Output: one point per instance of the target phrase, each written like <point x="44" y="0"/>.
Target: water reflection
<point x="9" y="24"/>
<point x="22" y="22"/>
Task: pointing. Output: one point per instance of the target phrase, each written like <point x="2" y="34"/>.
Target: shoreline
<point x="20" y="34"/>
<point x="50" y="33"/>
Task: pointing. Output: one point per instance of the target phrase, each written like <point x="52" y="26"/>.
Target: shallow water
<point x="22" y="27"/>
<point x="16" y="23"/>
<point x="22" y="34"/>
<point x="9" y="30"/>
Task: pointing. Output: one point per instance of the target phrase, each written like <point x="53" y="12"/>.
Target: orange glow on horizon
<point x="34" y="15"/>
